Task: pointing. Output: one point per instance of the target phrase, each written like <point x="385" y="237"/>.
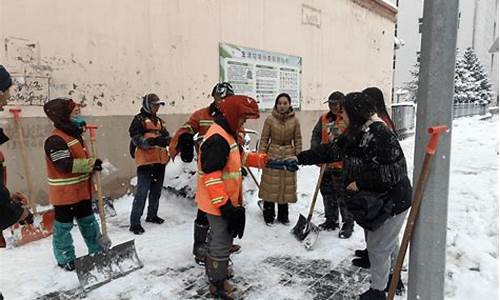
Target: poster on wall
<point x="261" y="74"/>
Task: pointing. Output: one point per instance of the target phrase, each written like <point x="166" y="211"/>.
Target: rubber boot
<point x="200" y="243"/>
<point x="62" y="243"/>
<point x="217" y="272"/>
<point x="89" y="229"/>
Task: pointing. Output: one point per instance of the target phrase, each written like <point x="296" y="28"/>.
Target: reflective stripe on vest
<point x="155" y="155"/>
<point x="68" y="188"/>
<point x="231" y="176"/>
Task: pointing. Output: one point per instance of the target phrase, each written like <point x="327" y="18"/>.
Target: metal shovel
<point x="304" y="226"/>
<point x="96" y="269"/>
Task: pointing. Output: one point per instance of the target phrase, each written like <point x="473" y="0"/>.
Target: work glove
<point x="244" y="172"/>
<point x="97" y="165"/>
<point x="235" y="217"/>
<point x="186" y="147"/>
<point x="28" y="219"/>
<point x="162" y="141"/>
<point x="289" y="164"/>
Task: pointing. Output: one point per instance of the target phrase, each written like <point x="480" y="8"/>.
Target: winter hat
<point x="59" y="110"/>
<point x="237" y="106"/>
<point x="150" y="99"/>
<point x="335" y="97"/>
<point x="5" y="79"/>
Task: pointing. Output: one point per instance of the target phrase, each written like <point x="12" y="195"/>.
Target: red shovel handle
<point x="435" y="132"/>
<point x="92" y="130"/>
<point x="16" y="112"/>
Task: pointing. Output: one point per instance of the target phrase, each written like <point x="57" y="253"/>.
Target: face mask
<point x="3" y="138"/>
<point x="79" y="121"/>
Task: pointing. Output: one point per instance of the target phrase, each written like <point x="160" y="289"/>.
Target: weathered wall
<point x="108" y="54"/>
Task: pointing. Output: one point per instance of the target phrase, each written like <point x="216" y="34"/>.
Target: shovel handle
<point x="415" y="207"/>
<point x="97" y="177"/>
<point x="253" y="177"/>
<point x="318" y="184"/>
<point x="16" y="113"/>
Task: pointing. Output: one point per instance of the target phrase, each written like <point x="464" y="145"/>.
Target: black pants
<point x="149" y="185"/>
<point x="269" y="212"/>
<point x="66" y="213"/>
<point x="333" y="192"/>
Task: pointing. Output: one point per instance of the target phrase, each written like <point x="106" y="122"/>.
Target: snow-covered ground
<point x="472" y="253"/>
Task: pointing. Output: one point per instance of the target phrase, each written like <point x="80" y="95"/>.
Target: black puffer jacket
<point x="373" y="158"/>
<point x="10" y="210"/>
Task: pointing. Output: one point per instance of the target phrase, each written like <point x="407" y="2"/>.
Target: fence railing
<point x="403" y="115"/>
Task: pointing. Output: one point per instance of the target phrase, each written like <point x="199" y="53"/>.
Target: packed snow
<point x="472" y="247"/>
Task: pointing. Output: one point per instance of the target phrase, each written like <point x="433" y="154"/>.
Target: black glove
<point x="244" y="172"/>
<point x="186" y="147"/>
<point x="280" y="164"/>
<point x="97" y="165"/>
<point x="235" y="217"/>
<point x="162" y="141"/>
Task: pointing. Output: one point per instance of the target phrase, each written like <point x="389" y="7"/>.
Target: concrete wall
<point x="109" y="55"/>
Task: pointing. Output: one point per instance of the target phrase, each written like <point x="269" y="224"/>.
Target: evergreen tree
<point x="471" y="81"/>
<point x="412" y="85"/>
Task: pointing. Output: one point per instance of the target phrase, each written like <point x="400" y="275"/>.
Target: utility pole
<point x="435" y="102"/>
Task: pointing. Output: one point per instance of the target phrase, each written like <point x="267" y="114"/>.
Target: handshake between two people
<point x="290" y="164"/>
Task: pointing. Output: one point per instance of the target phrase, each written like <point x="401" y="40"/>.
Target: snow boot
<point x="155" y="220"/>
<point x="362" y="262"/>
<point x="328" y="225"/>
<point x="400" y="288"/>
<point x="217" y="272"/>
<point x="62" y="243"/>
<point x="90" y="232"/>
<point x="136" y="229"/>
<point x="346" y="230"/>
<point x="373" y="294"/>
<point x="69" y="266"/>
<point x="361" y="253"/>
<point x="200" y="243"/>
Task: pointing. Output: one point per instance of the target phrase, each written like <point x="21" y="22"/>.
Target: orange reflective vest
<point x="329" y="131"/>
<point x="68" y="188"/>
<point x="214" y="189"/>
<point x="155" y="155"/>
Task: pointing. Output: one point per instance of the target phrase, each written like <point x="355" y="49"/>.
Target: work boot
<point x="200" y="243"/>
<point x="328" y="225"/>
<point x="155" y="220"/>
<point x="373" y="294"/>
<point x="361" y="253"/>
<point x="346" y="230"/>
<point x="362" y="262"/>
<point x="69" y="266"/>
<point x="400" y="288"/>
<point x="136" y="229"/>
<point x="217" y="272"/>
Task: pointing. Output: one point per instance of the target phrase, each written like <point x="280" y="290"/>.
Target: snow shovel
<point x="96" y="269"/>
<point x="43" y="221"/>
<point x="430" y="151"/>
<point x="260" y="203"/>
<point x="305" y="226"/>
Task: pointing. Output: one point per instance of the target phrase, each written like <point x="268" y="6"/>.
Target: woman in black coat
<point x="378" y="188"/>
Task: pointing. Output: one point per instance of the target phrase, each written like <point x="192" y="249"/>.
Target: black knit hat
<point x="5" y="79"/>
<point x="336" y="97"/>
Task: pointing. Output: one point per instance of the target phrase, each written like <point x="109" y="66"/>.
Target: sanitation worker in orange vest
<point x="330" y="125"/>
<point x="69" y="172"/>
<point x="219" y="186"/>
<point x="11" y="205"/>
<point x="183" y="143"/>
<point x="149" y="141"/>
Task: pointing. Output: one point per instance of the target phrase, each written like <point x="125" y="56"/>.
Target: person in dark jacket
<point x="374" y="168"/>
<point x="329" y="126"/>
<point x="150" y="138"/>
<point x="11" y="206"/>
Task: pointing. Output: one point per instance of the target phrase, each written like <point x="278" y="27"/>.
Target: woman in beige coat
<point x="280" y="138"/>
